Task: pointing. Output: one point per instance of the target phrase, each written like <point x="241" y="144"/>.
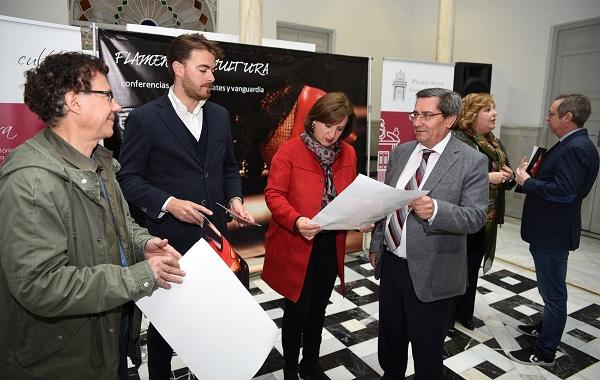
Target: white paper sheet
<point x="211" y="320"/>
<point x="364" y="202"/>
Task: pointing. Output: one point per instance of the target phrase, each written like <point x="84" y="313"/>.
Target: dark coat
<point x="552" y="209"/>
<point x="159" y="160"/>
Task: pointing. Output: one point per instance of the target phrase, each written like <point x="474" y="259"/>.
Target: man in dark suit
<point x="421" y="256"/>
<point x="551" y="221"/>
<point x="178" y="161"/>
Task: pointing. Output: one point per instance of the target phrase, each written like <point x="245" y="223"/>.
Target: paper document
<point x="235" y="215"/>
<point x="211" y="320"/>
<point x="364" y="202"/>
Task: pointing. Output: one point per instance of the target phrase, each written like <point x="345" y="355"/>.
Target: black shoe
<point x="530" y="330"/>
<point x="468" y="323"/>
<point x="529" y="356"/>
<point x="311" y="371"/>
<point x="290" y="374"/>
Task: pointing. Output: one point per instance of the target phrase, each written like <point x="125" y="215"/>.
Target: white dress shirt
<point x="414" y="161"/>
<point x="192" y="120"/>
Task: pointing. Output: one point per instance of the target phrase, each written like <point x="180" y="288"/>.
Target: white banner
<point x="401" y="80"/>
<point x="25" y="44"/>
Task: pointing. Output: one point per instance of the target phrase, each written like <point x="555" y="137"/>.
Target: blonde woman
<point x="475" y="124"/>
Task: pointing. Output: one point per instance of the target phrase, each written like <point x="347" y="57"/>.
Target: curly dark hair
<point x="47" y="84"/>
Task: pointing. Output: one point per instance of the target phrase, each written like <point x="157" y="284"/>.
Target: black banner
<point x="266" y="90"/>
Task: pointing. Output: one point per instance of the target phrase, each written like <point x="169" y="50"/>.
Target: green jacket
<point x="61" y="283"/>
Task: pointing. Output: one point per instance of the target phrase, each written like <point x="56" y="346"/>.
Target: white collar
<point x="180" y="108"/>
<point x="438" y="148"/>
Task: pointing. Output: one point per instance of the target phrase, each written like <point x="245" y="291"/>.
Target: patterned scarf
<point x="326" y="156"/>
<point x="490" y="146"/>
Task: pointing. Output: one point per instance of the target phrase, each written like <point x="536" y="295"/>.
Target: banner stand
<point x="266" y="90"/>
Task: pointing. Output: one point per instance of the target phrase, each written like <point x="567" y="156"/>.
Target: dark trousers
<point x="159" y="355"/>
<point x="303" y="321"/>
<point x="465" y="304"/>
<point x="124" y="340"/>
<point x="403" y="319"/>
<point x="551" y="273"/>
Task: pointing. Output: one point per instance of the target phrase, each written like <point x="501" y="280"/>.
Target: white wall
<point x="55" y="11"/>
<point x="362" y="28"/>
<point x="513" y="35"/>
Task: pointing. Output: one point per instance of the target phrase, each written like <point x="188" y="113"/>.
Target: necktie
<point x="393" y="232"/>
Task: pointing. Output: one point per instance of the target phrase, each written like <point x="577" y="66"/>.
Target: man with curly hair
<point x="72" y="259"/>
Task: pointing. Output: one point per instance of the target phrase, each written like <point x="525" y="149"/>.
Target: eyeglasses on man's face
<point x="426" y="116"/>
<point x="107" y="93"/>
<point x="550" y="114"/>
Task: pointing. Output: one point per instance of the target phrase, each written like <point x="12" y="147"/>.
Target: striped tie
<point x="393" y="232"/>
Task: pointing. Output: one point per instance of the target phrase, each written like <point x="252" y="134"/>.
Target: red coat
<point x="295" y="188"/>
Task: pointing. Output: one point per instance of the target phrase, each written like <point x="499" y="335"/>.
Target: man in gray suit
<point x="419" y="252"/>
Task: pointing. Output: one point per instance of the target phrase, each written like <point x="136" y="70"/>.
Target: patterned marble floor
<point x="507" y="297"/>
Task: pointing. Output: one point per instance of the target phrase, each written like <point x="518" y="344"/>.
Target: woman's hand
<point x="307" y="229"/>
<point x="509" y="172"/>
<point x="500" y="177"/>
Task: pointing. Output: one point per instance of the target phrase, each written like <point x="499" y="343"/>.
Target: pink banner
<point x="395" y="128"/>
<point x="17" y="124"/>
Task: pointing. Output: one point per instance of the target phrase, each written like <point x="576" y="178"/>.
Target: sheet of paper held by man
<point x="364" y="202"/>
<point x="211" y="320"/>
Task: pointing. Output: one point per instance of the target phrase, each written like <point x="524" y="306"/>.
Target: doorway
<point x="575" y="68"/>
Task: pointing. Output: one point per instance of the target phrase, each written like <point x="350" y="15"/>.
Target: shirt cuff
<point x="163" y="209"/>
<point x="435" y="209"/>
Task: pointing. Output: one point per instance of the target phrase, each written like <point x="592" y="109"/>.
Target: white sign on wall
<point x="25" y="44"/>
<point x="401" y="80"/>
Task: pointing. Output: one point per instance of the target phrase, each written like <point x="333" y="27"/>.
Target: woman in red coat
<point x="301" y="261"/>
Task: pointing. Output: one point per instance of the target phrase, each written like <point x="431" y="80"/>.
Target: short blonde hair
<point x="471" y="105"/>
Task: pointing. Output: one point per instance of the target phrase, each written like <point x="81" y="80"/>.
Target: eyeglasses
<point x="550" y="114"/>
<point x="427" y="116"/>
<point x="107" y="93"/>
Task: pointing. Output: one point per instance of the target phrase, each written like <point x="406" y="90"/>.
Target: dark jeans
<point x="551" y="272"/>
<point x="124" y="341"/>
<point x="403" y="318"/>
<point x="303" y="321"/>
